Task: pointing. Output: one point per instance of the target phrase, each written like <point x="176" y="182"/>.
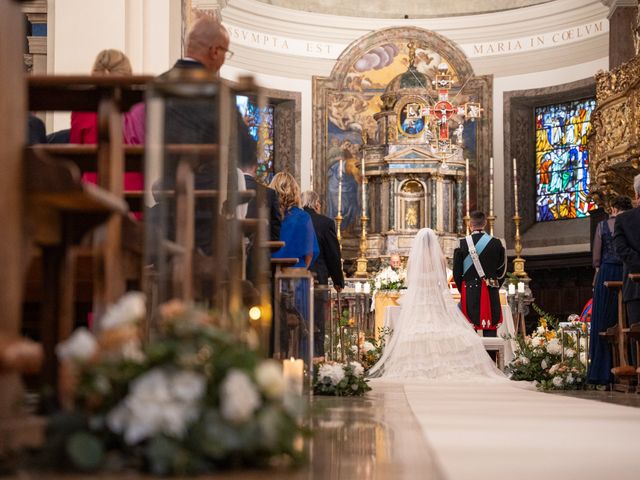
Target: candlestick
<point x="364" y="189"/>
<point x="340" y="167"/>
<point x="491" y="186"/>
<point x="520" y="287"/>
<point x="512" y="289"/>
<point x="293" y="373"/>
<point x="466" y="167"/>
<point x="515" y="186"/>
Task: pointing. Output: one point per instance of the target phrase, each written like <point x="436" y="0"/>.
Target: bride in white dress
<point x="432" y="339"/>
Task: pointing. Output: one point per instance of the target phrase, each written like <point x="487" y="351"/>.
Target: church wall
<point x="148" y="31"/>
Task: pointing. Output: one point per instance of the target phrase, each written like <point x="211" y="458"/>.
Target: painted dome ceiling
<point x="395" y="9"/>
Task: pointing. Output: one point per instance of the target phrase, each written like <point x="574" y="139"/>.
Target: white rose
<point x="188" y="386"/>
<point x="354" y="349"/>
<point x="378" y="283"/>
<point x="358" y="369"/>
<point x="540" y="330"/>
<point x="239" y="397"/>
<point x="554" y="368"/>
<point x="333" y="371"/>
<point x="554" y="347"/>
<point x="570" y="352"/>
<point x="543" y="364"/>
<point x="80" y="346"/>
<point x="368" y="347"/>
<point x="159" y="401"/>
<point x="557" y="381"/>
<point x="270" y="379"/>
<point x="129" y="309"/>
<point x="570" y="379"/>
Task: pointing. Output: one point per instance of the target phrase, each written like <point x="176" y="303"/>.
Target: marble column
<point x="622" y="22"/>
<point x="440" y="203"/>
<point x="392" y="204"/>
<point x="459" y="214"/>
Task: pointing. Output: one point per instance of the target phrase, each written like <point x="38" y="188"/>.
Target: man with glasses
<point x="195" y="121"/>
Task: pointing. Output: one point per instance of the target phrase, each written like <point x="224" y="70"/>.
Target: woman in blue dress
<point x="605" y="301"/>
<point x="299" y="237"/>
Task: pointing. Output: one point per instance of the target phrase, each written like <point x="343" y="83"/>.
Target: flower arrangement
<point x="370" y="348"/>
<point x="389" y="278"/>
<point x="339" y="379"/>
<point x="192" y="400"/>
<point x="550" y="358"/>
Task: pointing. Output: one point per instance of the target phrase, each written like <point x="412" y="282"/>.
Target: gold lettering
<point x="598" y="26"/>
<point x="567" y="35"/>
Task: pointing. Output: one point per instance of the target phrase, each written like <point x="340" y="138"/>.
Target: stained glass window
<point x="562" y="160"/>
<point x="252" y="118"/>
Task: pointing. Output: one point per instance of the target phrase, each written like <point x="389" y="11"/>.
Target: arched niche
<point x="345" y="101"/>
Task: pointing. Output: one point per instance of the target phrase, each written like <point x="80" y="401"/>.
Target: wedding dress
<point x="432" y="338"/>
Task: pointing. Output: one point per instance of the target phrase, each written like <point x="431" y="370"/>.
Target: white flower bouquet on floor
<point x="192" y="400"/>
<point x="339" y="379"/>
<point x="539" y="356"/>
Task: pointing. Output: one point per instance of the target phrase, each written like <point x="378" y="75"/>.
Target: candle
<point x="358" y="287"/>
<point x="293" y="373"/>
<point x="512" y="289"/>
<point x="364" y="190"/>
<point x="466" y="166"/>
<point x="340" y="188"/>
<point x="491" y="186"/>
<point x="367" y="288"/>
<point x="520" y="287"/>
<point x="515" y="187"/>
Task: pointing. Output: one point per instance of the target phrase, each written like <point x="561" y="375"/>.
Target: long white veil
<point x="428" y="311"/>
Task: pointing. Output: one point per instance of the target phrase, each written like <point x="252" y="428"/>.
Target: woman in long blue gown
<point x="605" y="301"/>
<point x="296" y="230"/>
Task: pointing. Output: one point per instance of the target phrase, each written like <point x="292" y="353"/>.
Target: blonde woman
<point x="84" y="125"/>
<point x="296" y="229"/>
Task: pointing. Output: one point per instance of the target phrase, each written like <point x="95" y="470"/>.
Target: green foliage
<point x="188" y="342"/>
<point x="352" y="383"/>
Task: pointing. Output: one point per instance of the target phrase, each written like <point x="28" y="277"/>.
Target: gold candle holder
<point x="467" y="223"/>
<point x="361" y="262"/>
<point x="518" y="262"/>
<point x="338" y="227"/>
<point x="491" y="219"/>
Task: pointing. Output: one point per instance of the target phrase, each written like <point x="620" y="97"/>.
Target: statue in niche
<point x="411" y="216"/>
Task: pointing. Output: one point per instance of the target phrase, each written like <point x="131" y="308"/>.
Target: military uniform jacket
<point x="493" y="261"/>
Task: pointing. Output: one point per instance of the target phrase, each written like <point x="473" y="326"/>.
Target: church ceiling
<point x="414" y="9"/>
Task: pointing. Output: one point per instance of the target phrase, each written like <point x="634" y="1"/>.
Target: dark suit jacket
<point x="195" y="121"/>
<point x="626" y="240"/>
<point x="329" y="262"/>
<point x="492" y="260"/>
<point x="271" y="197"/>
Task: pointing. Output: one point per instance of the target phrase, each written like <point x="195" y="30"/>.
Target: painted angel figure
<point x="458" y="133"/>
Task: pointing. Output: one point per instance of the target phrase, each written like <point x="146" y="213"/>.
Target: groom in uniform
<point x="479" y="265"/>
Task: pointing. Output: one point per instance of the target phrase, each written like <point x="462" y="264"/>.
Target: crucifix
<point x="443" y="110"/>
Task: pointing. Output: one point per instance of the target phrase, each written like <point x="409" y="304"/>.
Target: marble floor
<point x="380" y="436"/>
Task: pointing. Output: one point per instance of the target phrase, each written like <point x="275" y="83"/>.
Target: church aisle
<point x="500" y="431"/>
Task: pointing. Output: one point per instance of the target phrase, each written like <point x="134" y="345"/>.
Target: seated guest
<point x="296" y="229"/>
<point x="605" y="301"/>
<point x="84" y="125"/>
<point x="328" y="264"/>
<point x="626" y="239"/>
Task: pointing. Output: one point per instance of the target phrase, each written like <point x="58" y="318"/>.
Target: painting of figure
<point x="344" y="153"/>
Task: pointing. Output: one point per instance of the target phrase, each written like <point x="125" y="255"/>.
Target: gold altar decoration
<point x="614" y="143"/>
<point x="361" y="262"/>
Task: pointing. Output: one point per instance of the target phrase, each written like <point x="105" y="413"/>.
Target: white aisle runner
<point x="498" y="431"/>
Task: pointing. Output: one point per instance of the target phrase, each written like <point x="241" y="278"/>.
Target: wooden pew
<point x="624" y="373"/>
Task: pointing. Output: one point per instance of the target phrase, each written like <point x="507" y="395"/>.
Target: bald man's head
<point x="208" y="42"/>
